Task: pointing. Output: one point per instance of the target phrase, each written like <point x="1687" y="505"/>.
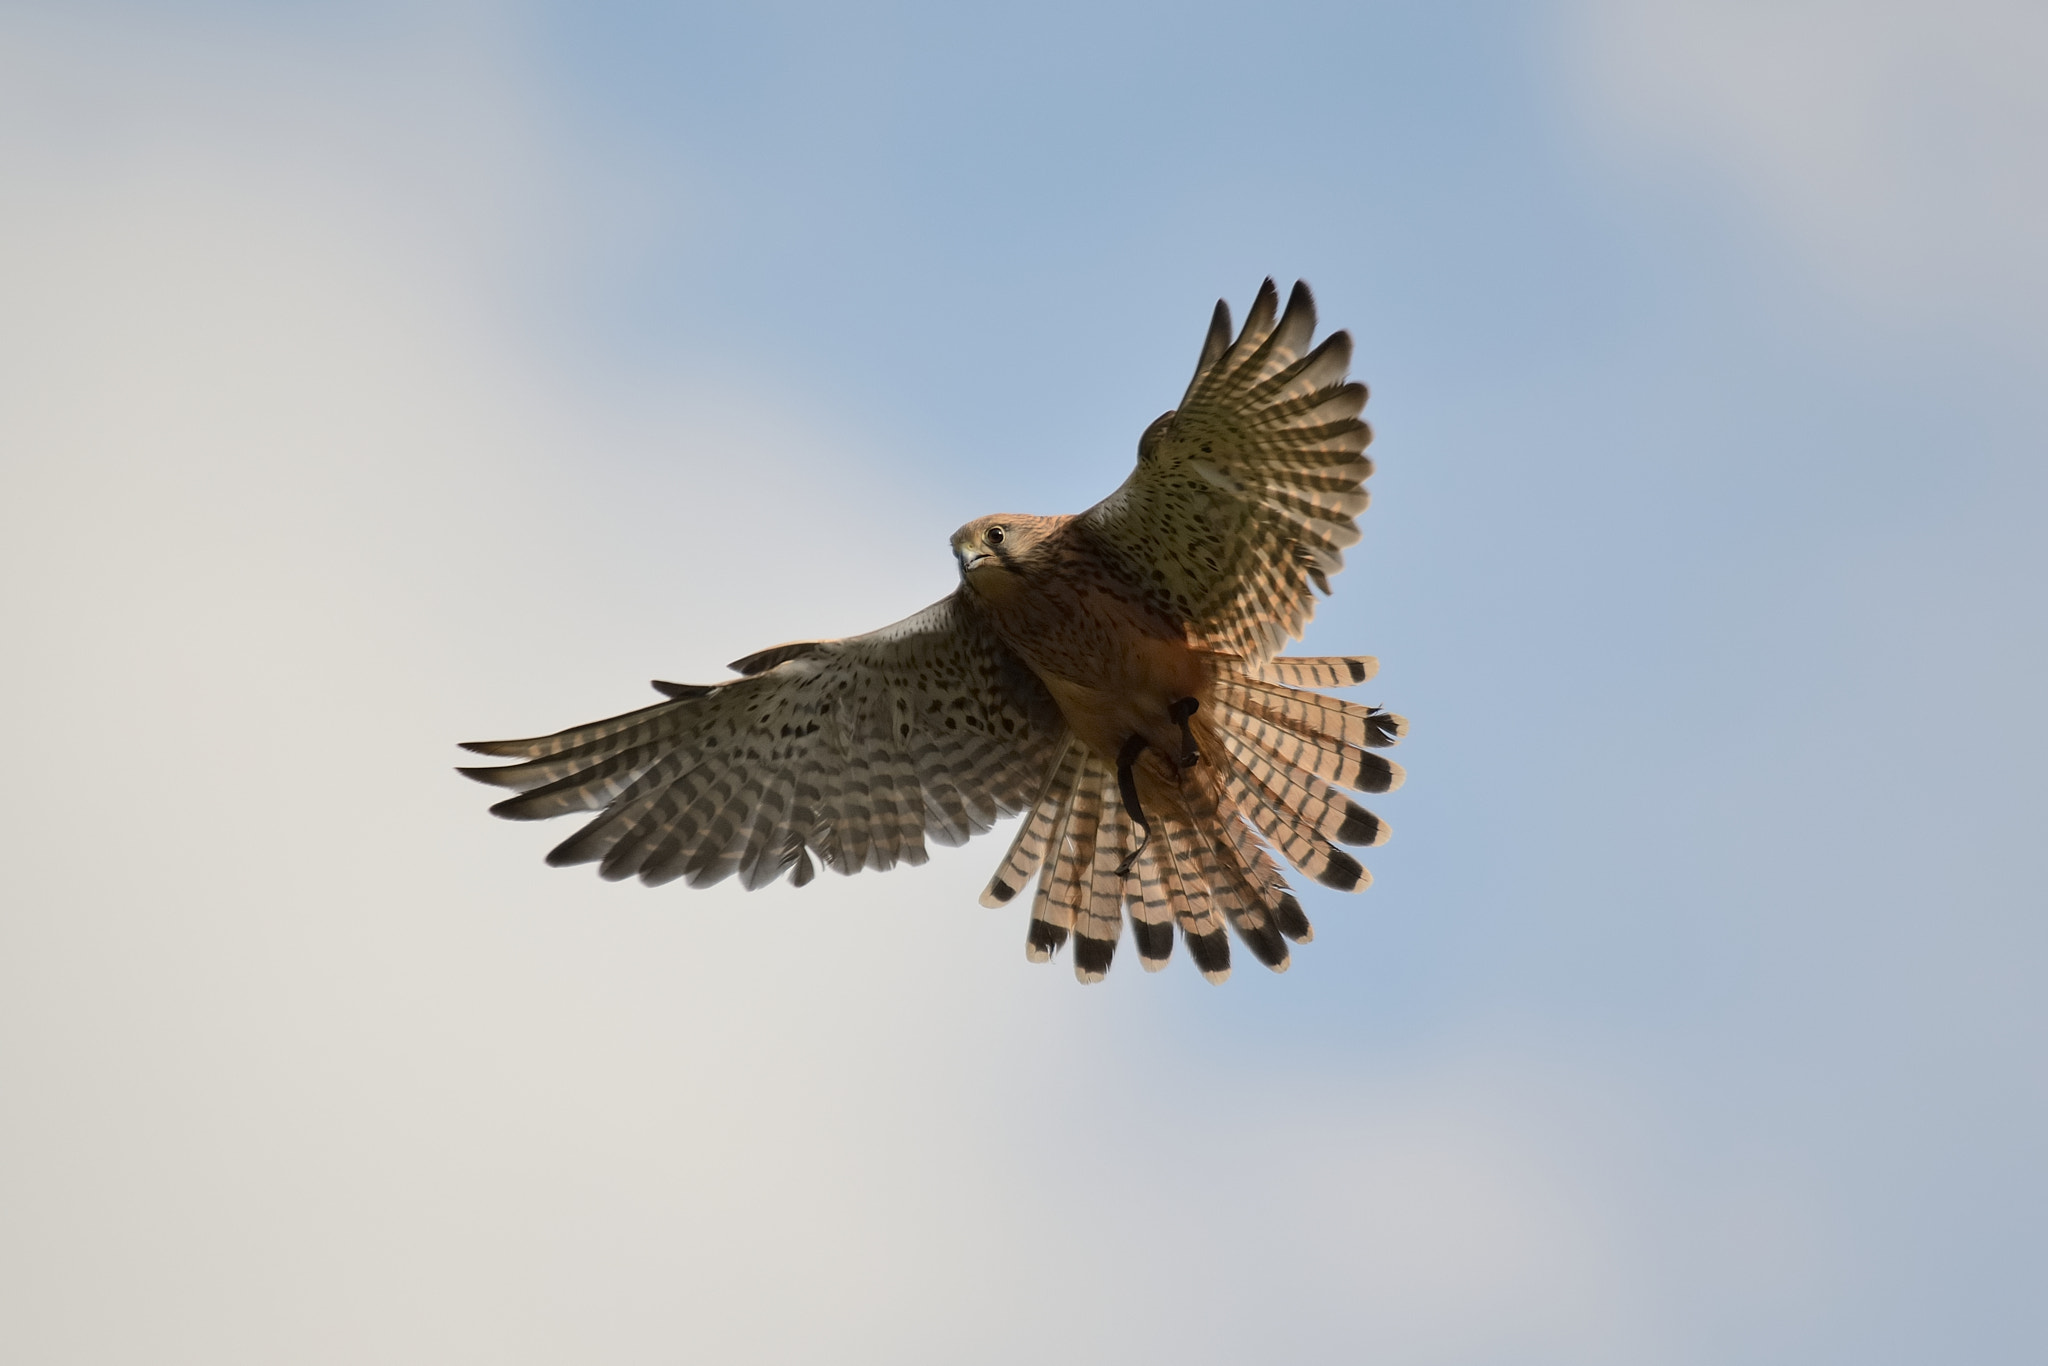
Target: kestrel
<point x="1112" y="676"/>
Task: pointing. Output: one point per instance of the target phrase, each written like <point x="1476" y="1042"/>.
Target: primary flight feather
<point x="1112" y="676"/>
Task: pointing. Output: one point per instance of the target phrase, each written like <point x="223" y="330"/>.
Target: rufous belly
<point x="1135" y="699"/>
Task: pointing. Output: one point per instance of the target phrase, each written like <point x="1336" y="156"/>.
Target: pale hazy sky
<point x="374" y="377"/>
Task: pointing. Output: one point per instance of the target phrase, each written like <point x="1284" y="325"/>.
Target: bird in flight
<point x="1112" y="676"/>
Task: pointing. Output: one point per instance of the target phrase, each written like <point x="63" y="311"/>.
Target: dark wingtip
<point x="1301" y="296"/>
<point x="680" y="691"/>
<point x="496" y="749"/>
<point x="510" y="809"/>
<point x="569" y="852"/>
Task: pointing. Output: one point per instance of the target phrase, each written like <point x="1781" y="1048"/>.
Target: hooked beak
<point x="970" y="558"/>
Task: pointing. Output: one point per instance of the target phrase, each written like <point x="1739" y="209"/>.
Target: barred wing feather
<point x="855" y="751"/>
<point x="1246" y="494"/>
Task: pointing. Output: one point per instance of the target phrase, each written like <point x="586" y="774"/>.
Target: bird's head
<point x="991" y="549"/>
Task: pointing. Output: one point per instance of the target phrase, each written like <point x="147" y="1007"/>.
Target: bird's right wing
<point x="1247" y="493"/>
<point x="851" y="749"/>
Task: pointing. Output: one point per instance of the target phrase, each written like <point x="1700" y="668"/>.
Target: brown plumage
<point x="1111" y="676"/>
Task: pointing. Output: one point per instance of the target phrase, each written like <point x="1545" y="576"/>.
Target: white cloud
<point x="1903" y="146"/>
<point x="307" y="1059"/>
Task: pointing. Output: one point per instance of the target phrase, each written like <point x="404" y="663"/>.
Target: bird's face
<point x="990" y="548"/>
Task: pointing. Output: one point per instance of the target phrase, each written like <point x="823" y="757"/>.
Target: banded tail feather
<point x="1308" y="714"/>
<point x="1151" y="910"/>
<point x="1073" y="864"/>
<point x="1052" y="918"/>
<point x="1194" y="906"/>
<point x="1242" y="878"/>
<point x="1324" y="671"/>
<point x="1099" y="919"/>
<point x="1272" y="785"/>
<point x="1035" y="831"/>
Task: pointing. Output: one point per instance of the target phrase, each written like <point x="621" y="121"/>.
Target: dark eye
<point x="995" y="535"/>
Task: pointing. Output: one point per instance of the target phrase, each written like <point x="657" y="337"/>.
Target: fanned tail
<point x="1276" y="759"/>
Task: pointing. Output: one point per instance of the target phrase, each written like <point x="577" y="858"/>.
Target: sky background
<point x="375" y="377"/>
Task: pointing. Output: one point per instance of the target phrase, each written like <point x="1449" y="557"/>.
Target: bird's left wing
<point x="854" y="750"/>
<point x="1245" y="494"/>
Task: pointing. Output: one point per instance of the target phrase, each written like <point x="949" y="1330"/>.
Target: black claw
<point x="1127" y="787"/>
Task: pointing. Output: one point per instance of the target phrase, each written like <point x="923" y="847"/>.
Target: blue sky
<point x="376" y="377"/>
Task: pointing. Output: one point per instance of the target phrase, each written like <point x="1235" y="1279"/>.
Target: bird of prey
<point x="1111" y="676"/>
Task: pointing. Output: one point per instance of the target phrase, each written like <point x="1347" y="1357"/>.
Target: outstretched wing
<point x="853" y="750"/>
<point x="1245" y="494"/>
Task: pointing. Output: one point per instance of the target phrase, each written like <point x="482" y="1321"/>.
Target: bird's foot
<point x="1180" y="711"/>
<point x="1127" y="788"/>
